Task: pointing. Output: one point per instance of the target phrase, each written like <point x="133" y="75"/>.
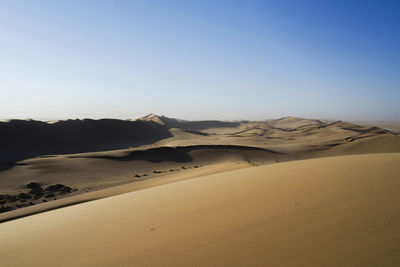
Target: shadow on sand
<point x="22" y="139"/>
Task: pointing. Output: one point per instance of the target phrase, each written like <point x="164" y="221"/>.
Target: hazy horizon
<point x="202" y="119"/>
<point x="231" y="60"/>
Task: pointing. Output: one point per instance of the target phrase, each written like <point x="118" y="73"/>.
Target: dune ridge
<point x="189" y="125"/>
<point x="90" y="172"/>
<point x="334" y="211"/>
<point x="22" y="139"/>
<point x="116" y="152"/>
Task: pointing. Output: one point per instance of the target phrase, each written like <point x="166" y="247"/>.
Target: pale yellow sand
<point x="393" y="126"/>
<point x="124" y="188"/>
<point x="121" y="152"/>
<point x="338" y="211"/>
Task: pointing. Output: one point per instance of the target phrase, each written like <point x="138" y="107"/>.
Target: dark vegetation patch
<point x="36" y="192"/>
<point x="24" y="196"/>
<point x="5" y="208"/>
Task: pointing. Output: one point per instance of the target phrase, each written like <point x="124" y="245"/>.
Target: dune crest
<point x="91" y="155"/>
<point x="321" y="212"/>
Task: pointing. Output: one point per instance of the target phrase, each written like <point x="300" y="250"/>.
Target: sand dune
<point x="88" y="172"/>
<point x="22" y="139"/>
<point x="40" y="152"/>
<point x="97" y="191"/>
<point x="286" y="135"/>
<point x="293" y="122"/>
<point x="337" y="211"/>
<point x="388" y="125"/>
<point x="373" y="144"/>
<point x="190" y="125"/>
<point x="182" y="203"/>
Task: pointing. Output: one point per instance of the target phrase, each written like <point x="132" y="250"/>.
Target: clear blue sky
<point x="200" y="59"/>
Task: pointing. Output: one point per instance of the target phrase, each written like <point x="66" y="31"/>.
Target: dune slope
<point x="22" y="139"/>
<point x="337" y="211"/>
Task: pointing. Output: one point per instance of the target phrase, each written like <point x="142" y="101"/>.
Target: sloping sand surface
<point x="393" y="126"/>
<point x="90" y="172"/>
<point x="376" y="144"/>
<point x="138" y="184"/>
<point x="337" y="211"/>
<point x="22" y="139"/>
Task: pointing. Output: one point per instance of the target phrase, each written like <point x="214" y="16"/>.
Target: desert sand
<point x="158" y="191"/>
<point x="45" y="165"/>
<point x="393" y="126"/>
<point x="330" y="211"/>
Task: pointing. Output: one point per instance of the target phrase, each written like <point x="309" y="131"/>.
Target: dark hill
<point x="21" y="139"/>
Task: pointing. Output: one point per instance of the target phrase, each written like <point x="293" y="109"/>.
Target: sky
<point x="223" y="60"/>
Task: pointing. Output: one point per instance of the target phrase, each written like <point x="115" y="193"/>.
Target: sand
<point x="84" y="157"/>
<point x="159" y="191"/>
<point x="393" y="126"/>
<point x="333" y="211"/>
<point x="139" y="184"/>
